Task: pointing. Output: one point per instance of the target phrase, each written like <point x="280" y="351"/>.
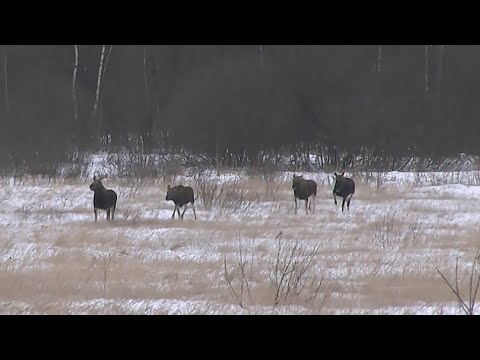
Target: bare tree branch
<point x="473" y="287"/>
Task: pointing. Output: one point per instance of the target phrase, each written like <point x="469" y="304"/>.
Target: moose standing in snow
<point x="181" y="196"/>
<point x="304" y="190"/>
<point x="103" y="199"/>
<point x="345" y="188"/>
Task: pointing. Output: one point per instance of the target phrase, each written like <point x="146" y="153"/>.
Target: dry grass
<point x="380" y="255"/>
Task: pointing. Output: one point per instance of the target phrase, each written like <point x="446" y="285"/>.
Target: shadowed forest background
<point x="234" y="102"/>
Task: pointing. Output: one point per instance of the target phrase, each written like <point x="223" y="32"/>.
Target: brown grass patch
<point x="51" y="262"/>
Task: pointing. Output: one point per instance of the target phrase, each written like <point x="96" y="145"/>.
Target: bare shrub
<point x="414" y="232"/>
<point x="129" y="213"/>
<point x="102" y="261"/>
<point x="272" y="186"/>
<point x="385" y="233"/>
<point x="75" y="167"/>
<point x="233" y="198"/>
<point x="224" y="196"/>
<point x="391" y="232"/>
<point x="136" y="165"/>
<point x="476" y="179"/>
<point x="132" y="191"/>
<point x="245" y="267"/>
<point x="290" y="275"/>
<point x="206" y="189"/>
<point x="172" y="169"/>
<point x="289" y="272"/>
<point x="24" y="212"/>
<point x="466" y="305"/>
<point x="372" y="179"/>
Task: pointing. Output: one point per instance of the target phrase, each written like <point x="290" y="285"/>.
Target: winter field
<point x="247" y="253"/>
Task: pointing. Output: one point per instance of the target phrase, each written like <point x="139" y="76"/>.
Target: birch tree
<point x="74" y="84"/>
<point x="440" y="67"/>
<point x="427" y="68"/>
<point x="104" y="56"/>
<point x="147" y="128"/>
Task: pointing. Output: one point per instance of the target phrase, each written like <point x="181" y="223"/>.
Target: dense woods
<point x="236" y="101"/>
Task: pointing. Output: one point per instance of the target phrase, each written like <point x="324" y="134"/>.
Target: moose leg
<point x="178" y="211"/>
<point x="295" y="206"/>
<point x="95" y="212"/>
<point x="348" y="201"/>
<point x="343" y="203"/>
<point x="175" y="209"/>
<point x="193" y="208"/>
<point x="108" y="214"/>
<point x="113" y="212"/>
<point x="184" y="209"/>
<point x="335" y="198"/>
<point x="306" y="206"/>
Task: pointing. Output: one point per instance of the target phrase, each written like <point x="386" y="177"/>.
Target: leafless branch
<point x="474" y="284"/>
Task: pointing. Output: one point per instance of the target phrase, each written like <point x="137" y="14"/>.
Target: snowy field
<point x="247" y="253"/>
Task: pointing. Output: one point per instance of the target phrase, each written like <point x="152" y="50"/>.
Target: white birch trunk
<point x="74" y="84"/>
<point x="103" y="76"/>
<point x="106" y="61"/>
<point x="440" y="67"/>
<point x="101" y="73"/>
<point x="99" y="80"/>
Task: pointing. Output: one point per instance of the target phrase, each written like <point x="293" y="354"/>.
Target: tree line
<point x="236" y="101"/>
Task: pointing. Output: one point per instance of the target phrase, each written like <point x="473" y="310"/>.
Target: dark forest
<point x="237" y="101"/>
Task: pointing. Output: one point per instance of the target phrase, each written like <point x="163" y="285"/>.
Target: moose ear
<point x="335" y="173"/>
<point x="343" y="173"/>
<point x="94" y="178"/>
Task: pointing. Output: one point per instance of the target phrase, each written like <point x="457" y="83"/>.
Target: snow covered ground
<point x="381" y="257"/>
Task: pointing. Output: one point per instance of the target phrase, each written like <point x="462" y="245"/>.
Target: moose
<point x="304" y="190"/>
<point x="103" y="199"/>
<point x="181" y="196"/>
<point x="345" y="188"/>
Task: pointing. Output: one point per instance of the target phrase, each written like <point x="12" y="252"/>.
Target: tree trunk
<point x="261" y="55"/>
<point x="147" y="128"/>
<point x="96" y="113"/>
<point x="103" y="76"/>
<point x="5" y="76"/>
<point x="74" y="84"/>
<point x="99" y="81"/>
<point x="427" y="69"/>
<point x="378" y="64"/>
<point x="101" y="72"/>
<point x="440" y="68"/>
<point x="145" y="75"/>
